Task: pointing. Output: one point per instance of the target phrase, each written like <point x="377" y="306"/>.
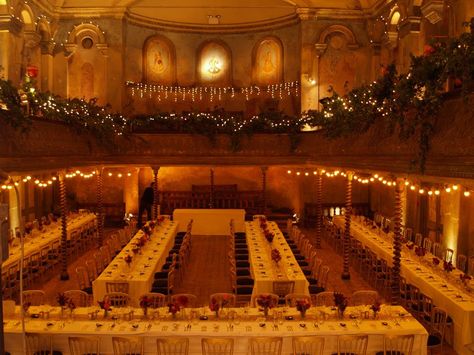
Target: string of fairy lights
<point x="211" y="93"/>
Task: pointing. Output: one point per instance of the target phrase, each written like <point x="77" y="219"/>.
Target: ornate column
<point x="63" y="204"/>
<point x="211" y="195"/>
<point x="319" y="209"/>
<point x="264" y="189"/>
<point x="156" y="194"/>
<point x="397" y="241"/>
<point x="100" y="208"/>
<point x="347" y="231"/>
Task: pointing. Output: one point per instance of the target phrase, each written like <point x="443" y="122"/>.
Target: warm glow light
<point x="372" y="179"/>
<point x="455" y="187"/>
<point x="323" y="171"/>
<point x="384" y="182"/>
<point x="110" y="174"/>
<point x="28" y="177"/>
<point x="315" y="172"/>
<point x="54" y="178"/>
<point x="289" y="171"/>
<point x="129" y="174"/>
<point x="430" y="192"/>
<point x="412" y="187"/>
<point x="407" y="183"/>
<point x="467" y="193"/>
<point x="306" y="174"/>
<point x="436" y="192"/>
<point x="376" y="176"/>
<point x="421" y="191"/>
<point x="37" y="182"/>
<point x="214" y="65"/>
<point x="119" y="175"/>
<point x="298" y="173"/>
<point x="448" y="189"/>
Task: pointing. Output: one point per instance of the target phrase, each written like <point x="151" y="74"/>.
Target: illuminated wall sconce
<point x="309" y="79"/>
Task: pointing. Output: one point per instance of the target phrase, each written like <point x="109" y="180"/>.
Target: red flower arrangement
<point x="105" y="304"/>
<point x="62" y="299"/>
<point x="465" y="278"/>
<point x="302" y="305"/>
<point x="375" y="307"/>
<point x="435" y="261"/>
<point x="410" y="245"/>
<point x="146" y="230"/>
<point x="142" y="241"/>
<point x="340" y="301"/>
<point x="265" y="302"/>
<point x="276" y="256"/>
<point x="420" y="251"/>
<point x="26" y="306"/>
<point x="214" y="306"/>
<point x="428" y="50"/>
<point x="152" y="224"/>
<point x="448" y="266"/>
<point x="174" y="307"/>
<point x="28" y="227"/>
<point x="128" y="259"/>
<point x="268" y="235"/>
<point x="145" y="303"/>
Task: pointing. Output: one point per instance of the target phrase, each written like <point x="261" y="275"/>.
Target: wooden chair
<point x="325" y="298"/>
<point x="352" y="344"/>
<point x="265" y="345"/>
<point x="84" y="345"/>
<point x="437" y="328"/>
<point x="461" y="262"/>
<point x="223" y="297"/>
<point x="448" y="255"/>
<point x="91" y="267"/>
<point x="172" y="346"/>
<point x="427" y="243"/>
<point x="290" y="299"/>
<point x="310" y="345"/>
<point x="117" y="287"/>
<point x="365" y="297"/>
<point x="78" y="297"/>
<point x="438" y="250"/>
<point x="217" y="346"/>
<point x="118" y="299"/>
<point x="283" y="288"/>
<point x="185" y="299"/>
<point x="397" y="344"/>
<point x="128" y="345"/>
<point x="34" y="297"/>
<point x="38" y="344"/>
<point x="418" y="239"/>
<point x="157" y="299"/>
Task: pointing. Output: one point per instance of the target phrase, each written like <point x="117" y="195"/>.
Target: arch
<point x="214" y="64"/>
<point x="395" y="18"/>
<point x="26" y="14"/>
<point x="273" y="59"/>
<point x="86" y="31"/>
<point x="159" y="60"/>
<point x="345" y="31"/>
<point x="44" y="29"/>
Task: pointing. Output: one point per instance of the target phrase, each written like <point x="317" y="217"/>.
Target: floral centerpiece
<point x="435" y="261"/>
<point x="410" y="245"/>
<point x="341" y="303"/>
<point x="143" y="239"/>
<point x="147" y="230"/>
<point x="106" y="305"/>
<point x="448" y="266"/>
<point x="276" y="256"/>
<point x="214" y="306"/>
<point x="28" y="227"/>
<point x="128" y="259"/>
<point x="26" y="307"/>
<point x="145" y="303"/>
<point x="419" y="251"/>
<point x="265" y="302"/>
<point x="465" y="278"/>
<point x="302" y="306"/>
<point x="376" y="308"/>
<point x="174" y="307"/>
<point x="268" y="235"/>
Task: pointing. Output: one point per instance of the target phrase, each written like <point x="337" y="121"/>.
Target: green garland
<point x="406" y="103"/>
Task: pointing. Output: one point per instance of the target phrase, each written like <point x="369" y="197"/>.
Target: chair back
<point x="461" y="262"/>
<point x="398" y="344"/>
<point x="323" y="280"/>
<point x="82" y="277"/>
<point x="309" y="345"/>
<point x="118" y="299"/>
<point x="427" y="244"/>
<point x="84" y="345"/>
<point x="217" y="346"/>
<point x="223" y="299"/>
<point x="282" y="288"/>
<point x="292" y="298"/>
<point x="265" y="345"/>
<point x="37" y="344"/>
<point x="172" y="346"/>
<point x="185" y="299"/>
<point x="325" y="298"/>
<point x="365" y="297"/>
<point x="117" y="287"/>
<point x="448" y="255"/>
<point x="352" y="344"/>
<point x="418" y="239"/>
<point x="127" y="346"/>
<point x="273" y="297"/>
<point x="34" y="297"/>
<point x="438" y="250"/>
<point x="438" y="321"/>
<point x="156" y="299"/>
<point x="78" y="297"/>
<point x="408" y="234"/>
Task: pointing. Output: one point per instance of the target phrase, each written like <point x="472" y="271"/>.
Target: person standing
<point x="146" y="204"/>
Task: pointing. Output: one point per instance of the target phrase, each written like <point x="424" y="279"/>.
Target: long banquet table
<point x="263" y="269"/>
<point x="140" y="273"/>
<point x="445" y="294"/>
<point x="245" y="323"/>
<point x="51" y="233"/>
<point x="210" y="221"/>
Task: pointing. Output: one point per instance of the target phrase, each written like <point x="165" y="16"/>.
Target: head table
<point x="239" y="324"/>
<point x="445" y="289"/>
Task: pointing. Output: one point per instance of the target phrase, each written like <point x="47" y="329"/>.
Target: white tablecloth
<point x="51" y="233"/>
<point x="263" y="269"/>
<point x="140" y="274"/>
<point x="448" y="296"/>
<point x="247" y="326"/>
<point x="210" y="221"/>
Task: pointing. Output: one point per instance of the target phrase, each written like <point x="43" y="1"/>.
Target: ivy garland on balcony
<point x="407" y="103"/>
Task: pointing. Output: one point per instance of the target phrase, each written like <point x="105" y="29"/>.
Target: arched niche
<point x="214" y="64"/>
<point x="86" y="52"/>
<point x="267" y="61"/>
<point x="159" y="60"/>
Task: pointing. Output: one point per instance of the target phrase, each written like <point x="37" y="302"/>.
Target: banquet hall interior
<point x="221" y="177"/>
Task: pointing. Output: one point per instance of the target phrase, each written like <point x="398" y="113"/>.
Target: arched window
<point x="268" y="61"/>
<point x="159" y="61"/>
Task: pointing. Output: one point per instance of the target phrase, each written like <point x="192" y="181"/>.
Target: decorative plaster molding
<point x="305" y="13"/>
<point x="345" y="31"/>
<point x="47" y="47"/>
<point x="32" y="39"/>
<point x="409" y="25"/>
<point x="432" y="10"/>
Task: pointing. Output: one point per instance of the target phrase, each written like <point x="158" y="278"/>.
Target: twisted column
<point x="319" y="209"/>
<point x="211" y="195"/>
<point x="347" y="231"/>
<point x="100" y="208"/>
<point x="63" y="205"/>
<point x="264" y="189"/>
<point x="397" y="241"/>
<point x="156" y="195"/>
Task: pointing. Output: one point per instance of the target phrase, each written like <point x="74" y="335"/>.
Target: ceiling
<point x="197" y="12"/>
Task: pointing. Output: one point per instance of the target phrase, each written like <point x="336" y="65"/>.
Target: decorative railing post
<point x="156" y="194"/>
<point x="264" y="189"/>
<point x="211" y="195"/>
<point x="397" y="240"/>
<point x="319" y="208"/>
<point x="100" y="208"/>
<point x="347" y="231"/>
<point x="63" y="205"/>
